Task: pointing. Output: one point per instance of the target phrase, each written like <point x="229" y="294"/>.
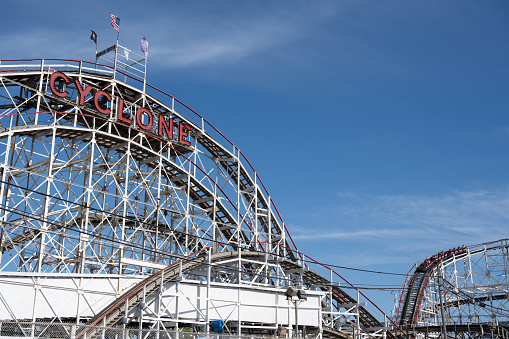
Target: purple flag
<point x="144" y="46"/>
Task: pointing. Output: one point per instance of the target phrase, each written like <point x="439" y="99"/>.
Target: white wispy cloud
<point x="178" y="37"/>
<point x="399" y="225"/>
<point x="221" y="39"/>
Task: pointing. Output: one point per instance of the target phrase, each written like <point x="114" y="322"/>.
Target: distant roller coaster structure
<point x="122" y="208"/>
<point x="462" y="292"/>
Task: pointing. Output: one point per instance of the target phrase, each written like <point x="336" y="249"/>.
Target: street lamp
<point x="296" y="296"/>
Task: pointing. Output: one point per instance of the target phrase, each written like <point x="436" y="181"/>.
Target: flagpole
<point x="115" y="22"/>
<point x="93" y="37"/>
<point x="95" y="53"/>
<point x="116" y="53"/>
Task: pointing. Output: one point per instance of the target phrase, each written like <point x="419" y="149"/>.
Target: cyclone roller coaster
<point x="124" y="213"/>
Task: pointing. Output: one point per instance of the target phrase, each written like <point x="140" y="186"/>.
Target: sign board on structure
<point x="107" y="50"/>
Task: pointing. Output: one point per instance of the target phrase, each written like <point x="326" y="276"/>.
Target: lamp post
<point x="300" y="296"/>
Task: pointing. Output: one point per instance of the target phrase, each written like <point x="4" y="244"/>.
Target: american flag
<point x="115" y="22"/>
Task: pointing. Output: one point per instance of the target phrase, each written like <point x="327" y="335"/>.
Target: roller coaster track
<point x="112" y="314"/>
<point x="237" y="204"/>
<point x="416" y="285"/>
<point x="230" y="164"/>
<point x="414" y="288"/>
<point x="197" y="191"/>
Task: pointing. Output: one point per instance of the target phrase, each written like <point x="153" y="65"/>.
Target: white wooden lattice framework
<point x="474" y="288"/>
<point x="460" y="292"/>
<point x="101" y="181"/>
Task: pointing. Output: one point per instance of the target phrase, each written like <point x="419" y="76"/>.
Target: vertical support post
<point x="440" y="280"/>
<point x="239" y="327"/>
<point x="145" y="75"/>
<point x="330" y="299"/>
<point x="290" y="328"/>
<point x="296" y="303"/>
<point x="159" y="303"/>
<point x="215" y="229"/>
<point x="140" y="320"/>
<point x="357" y="320"/>
<point x="384" y="332"/>
<point x="158" y="208"/>
<point x="115" y="62"/>
<point x="177" y="296"/>
<point x="4" y="189"/>
<point x="124" y="330"/>
<point x="39" y="94"/>
<point x="320" y="320"/>
<point x="193" y="240"/>
<point x="266" y="270"/>
<point x="125" y="206"/>
<point x="47" y="196"/>
<point x="207" y="311"/>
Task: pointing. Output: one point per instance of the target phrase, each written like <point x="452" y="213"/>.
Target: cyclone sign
<point x="144" y="118"/>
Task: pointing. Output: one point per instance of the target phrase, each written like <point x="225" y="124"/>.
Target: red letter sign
<point x="139" y="113"/>
<point x="120" y="112"/>
<point x="183" y="128"/>
<point x="96" y="102"/>
<point x="52" y="81"/>
<point x="83" y="92"/>
<point x="162" y="124"/>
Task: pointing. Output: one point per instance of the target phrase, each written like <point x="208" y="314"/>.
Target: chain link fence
<point x="12" y="329"/>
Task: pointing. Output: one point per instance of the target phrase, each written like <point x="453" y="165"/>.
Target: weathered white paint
<point x="186" y="300"/>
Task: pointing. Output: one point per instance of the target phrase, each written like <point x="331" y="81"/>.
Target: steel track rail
<point x="113" y="313"/>
<point x="228" y="161"/>
<point x="417" y="285"/>
<point x="199" y="192"/>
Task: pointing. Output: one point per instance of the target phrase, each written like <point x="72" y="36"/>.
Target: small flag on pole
<point x="93" y="37"/>
<point x="144" y="46"/>
<point x="115" y="22"/>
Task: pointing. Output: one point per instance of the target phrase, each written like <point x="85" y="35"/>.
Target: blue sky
<point x="380" y="128"/>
